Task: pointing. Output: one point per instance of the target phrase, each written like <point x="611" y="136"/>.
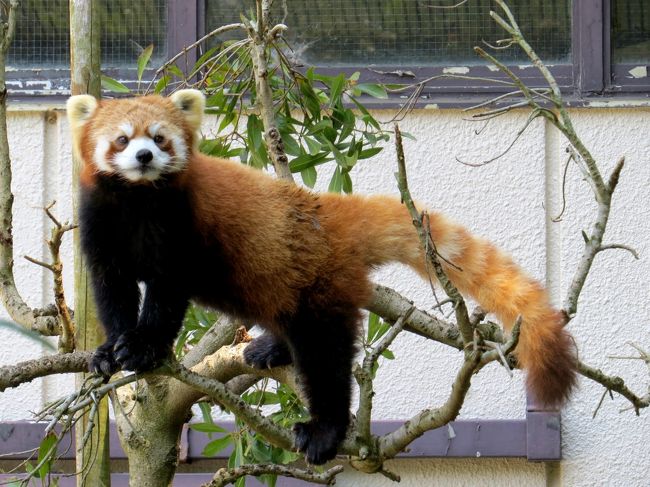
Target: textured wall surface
<point x="510" y="202"/>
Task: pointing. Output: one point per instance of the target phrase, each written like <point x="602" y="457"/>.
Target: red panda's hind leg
<point x="267" y="351"/>
<point x="323" y="345"/>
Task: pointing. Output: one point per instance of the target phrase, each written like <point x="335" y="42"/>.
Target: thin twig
<point x="185" y="50"/>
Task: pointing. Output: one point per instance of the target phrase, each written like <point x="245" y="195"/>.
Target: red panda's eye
<point x="122" y="139"/>
<point x="158" y="139"/>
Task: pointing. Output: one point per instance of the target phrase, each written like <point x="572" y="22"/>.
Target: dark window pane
<point x="630" y="31"/>
<point x="407" y="32"/>
<point x="42" y="33"/>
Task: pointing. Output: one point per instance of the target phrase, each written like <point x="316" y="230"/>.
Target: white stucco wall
<point x="509" y="202"/>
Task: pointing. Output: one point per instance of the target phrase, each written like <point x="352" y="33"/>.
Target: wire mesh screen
<point x="403" y="32"/>
<point x="631" y="31"/>
<point x="42" y="33"/>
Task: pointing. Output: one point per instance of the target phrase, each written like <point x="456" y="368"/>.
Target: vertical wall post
<point x="85" y="34"/>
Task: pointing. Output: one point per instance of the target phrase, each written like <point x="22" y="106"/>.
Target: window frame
<point x="589" y="77"/>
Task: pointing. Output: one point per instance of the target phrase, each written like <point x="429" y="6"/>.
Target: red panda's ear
<point x="192" y="104"/>
<point x="80" y="109"/>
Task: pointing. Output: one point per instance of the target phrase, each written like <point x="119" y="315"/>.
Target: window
<point x="42" y="32"/>
<point x="40" y="53"/>
<point x="408" y="32"/>
<point x="593" y="47"/>
<point x="630" y="44"/>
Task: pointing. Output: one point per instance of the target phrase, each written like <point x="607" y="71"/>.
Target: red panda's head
<point x="139" y="139"/>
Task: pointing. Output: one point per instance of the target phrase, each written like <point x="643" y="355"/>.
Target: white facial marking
<point x="101" y="149"/>
<point x="132" y="169"/>
<point x="127" y="129"/>
<point x="154" y="128"/>
<point x="180" y="151"/>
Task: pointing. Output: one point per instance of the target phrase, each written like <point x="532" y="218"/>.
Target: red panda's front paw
<point x="103" y="361"/>
<point x="139" y="351"/>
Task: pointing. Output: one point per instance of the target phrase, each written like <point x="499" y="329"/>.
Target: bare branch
<point x="15" y="375"/>
<point x="185" y="50"/>
<point x="218" y="391"/>
<point x="620" y="247"/>
<point x="393" y="443"/>
<point x="225" y="476"/>
<point x="364" y="376"/>
<point x="616" y="384"/>
<point x="420" y="222"/>
<point x="390" y="305"/>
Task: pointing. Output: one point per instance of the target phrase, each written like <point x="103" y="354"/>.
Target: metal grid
<point x="631" y="31"/>
<point x="407" y="32"/>
<point x="42" y="33"/>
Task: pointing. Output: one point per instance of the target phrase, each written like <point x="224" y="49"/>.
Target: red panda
<point x="154" y="210"/>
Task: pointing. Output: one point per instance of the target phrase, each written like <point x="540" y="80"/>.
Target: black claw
<point x="319" y="441"/>
<point x="267" y="351"/>
<point x="137" y="351"/>
<point x="103" y="361"/>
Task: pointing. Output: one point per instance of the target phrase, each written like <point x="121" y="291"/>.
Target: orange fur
<point x="382" y="230"/>
<point x="283" y="240"/>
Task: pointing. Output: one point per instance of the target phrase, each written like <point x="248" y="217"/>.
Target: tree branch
<point x="186" y="49"/>
<point x="616" y="384"/>
<point x="227" y="476"/>
<point x="364" y="376"/>
<point x="259" y="33"/>
<point x="15" y="375"/>
<point x="19" y="311"/>
<point x="393" y="443"/>
<point x="66" y="339"/>
<point x="421" y="224"/>
<point x="217" y="390"/>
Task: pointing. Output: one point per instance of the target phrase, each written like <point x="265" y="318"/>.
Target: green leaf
<point x="388" y="354"/>
<point x="162" y="84"/>
<point x="337" y="181"/>
<point x="347" y="182"/>
<point x="313" y="145"/>
<point x="262" y="398"/>
<point x="207" y="428"/>
<point x="46" y="452"/>
<point x="309" y="176"/>
<point x="206" y="412"/>
<point x="336" y="89"/>
<point x="367" y="153"/>
<point x="206" y="55"/>
<point x="215" y="446"/>
<point x="176" y="71"/>
<point x="261" y="452"/>
<point x="254" y="129"/>
<point x="372" y="89"/>
<point x="305" y="161"/>
<point x="373" y="325"/>
<point x="291" y="147"/>
<point x="113" y="85"/>
<point x="143" y="60"/>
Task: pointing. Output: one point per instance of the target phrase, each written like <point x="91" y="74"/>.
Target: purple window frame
<point x="589" y="76"/>
<point x="535" y="438"/>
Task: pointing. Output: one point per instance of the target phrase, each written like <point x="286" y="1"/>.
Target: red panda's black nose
<point x="144" y="156"/>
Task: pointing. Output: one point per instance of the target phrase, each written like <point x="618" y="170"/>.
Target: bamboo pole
<point x="93" y="454"/>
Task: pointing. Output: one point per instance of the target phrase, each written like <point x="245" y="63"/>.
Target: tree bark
<point x="85" y="28"/>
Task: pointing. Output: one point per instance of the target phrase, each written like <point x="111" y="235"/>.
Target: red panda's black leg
<point x="267" y="351"/>
<point x="323" y="347"/>
<point x="117" y="296"/>
<point x="144" y="347"/>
